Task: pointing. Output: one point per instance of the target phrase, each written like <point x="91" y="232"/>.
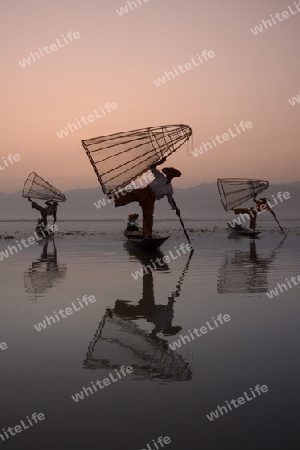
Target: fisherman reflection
<point x="160" y="315"/>
<point x="245" y="271"/>
<point x="120" y="338"/>
<point x="45" y="271"/>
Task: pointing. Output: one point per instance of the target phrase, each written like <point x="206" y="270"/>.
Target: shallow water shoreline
<point x="133" y="322"/>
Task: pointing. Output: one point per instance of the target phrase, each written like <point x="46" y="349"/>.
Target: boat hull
<point x="137" y="239"/>
<point x="243" y="231"/>
<point x="148" y="243"/>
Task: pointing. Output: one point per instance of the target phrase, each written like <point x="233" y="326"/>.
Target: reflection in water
<point x="121" y="341"/>
<point x="245" y="272"/>
<point x="44" y="272"/>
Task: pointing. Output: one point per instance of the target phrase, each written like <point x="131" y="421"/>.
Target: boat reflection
<point x="45" y="272"/>
<point x="121" y="338"/>
<point x="245" y="271"/>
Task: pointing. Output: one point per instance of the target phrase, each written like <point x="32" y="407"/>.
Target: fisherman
<point x="156" y="190"/>
<point x="49" y="210"/>
<point x="261" y="205"/>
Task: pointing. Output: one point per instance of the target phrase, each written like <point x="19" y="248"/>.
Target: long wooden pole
<point x="181" y="221"/>
<point x="273" y="214"/>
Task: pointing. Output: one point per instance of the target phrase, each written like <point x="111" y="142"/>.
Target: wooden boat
<point x="243" y="231"/>
<point x="134" y="234"/>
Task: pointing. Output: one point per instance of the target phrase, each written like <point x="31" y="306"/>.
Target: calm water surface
<point x="132" y="322"/>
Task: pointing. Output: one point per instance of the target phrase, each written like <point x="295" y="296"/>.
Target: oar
<point x="273" y="214"/>
<point x="181" y="221"/>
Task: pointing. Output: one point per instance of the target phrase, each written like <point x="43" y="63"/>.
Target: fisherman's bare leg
<point x="41" y="209"/>
<point x="146" y="200"/>
<point x="45" y="220"/>
<point x="36" y="206"/>
<point x="241" y="210"/>
<point x="251" y="212"/>
<point x="253" y="220"/>
<point x="148" y="210"/>
<point x="129" y="197"/>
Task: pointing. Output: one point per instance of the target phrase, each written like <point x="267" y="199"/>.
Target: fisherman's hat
<point x="173" y="172"/>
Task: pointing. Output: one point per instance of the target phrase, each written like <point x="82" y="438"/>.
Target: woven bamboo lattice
<point x="119" y="158"/>
<point x="38" y="188"/>
<point x="236" y="191"/>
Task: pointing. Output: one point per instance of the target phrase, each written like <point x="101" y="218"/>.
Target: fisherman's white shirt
<point x="161" y="187"/>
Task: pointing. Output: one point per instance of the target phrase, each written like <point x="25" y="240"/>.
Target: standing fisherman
<point x="252" y="211"/>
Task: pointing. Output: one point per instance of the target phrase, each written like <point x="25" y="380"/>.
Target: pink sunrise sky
<point x="116" y="58"/>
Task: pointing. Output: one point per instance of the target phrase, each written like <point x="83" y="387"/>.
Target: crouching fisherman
<point x="49" y="210"/>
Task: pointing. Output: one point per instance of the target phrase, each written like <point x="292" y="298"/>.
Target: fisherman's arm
<point x="153" y="168"/>
<point x="54" y="217"/>
<point x="172" y="204"/>
<point x="155" y="172"/>
<point x="161" y="161"/>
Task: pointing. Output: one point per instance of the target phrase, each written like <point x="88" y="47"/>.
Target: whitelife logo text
<point x="180" y="69"/>
<point x="33" y="57"/>
<point x="242" y="127"/>
<point x="85" y="120"/>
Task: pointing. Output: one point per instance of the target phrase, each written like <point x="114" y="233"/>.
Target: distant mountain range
<point x="197" y="202"/>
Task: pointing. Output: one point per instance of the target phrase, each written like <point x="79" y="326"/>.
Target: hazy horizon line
<point x="182" y="188"/>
